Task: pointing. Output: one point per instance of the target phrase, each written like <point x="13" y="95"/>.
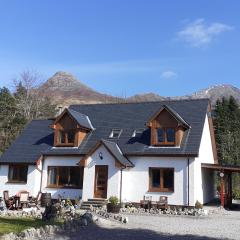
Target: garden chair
<point x="8" y="200"/>
<point x="146" y="203"/>
<point x="163" y="202"/>
<point x="23" y="199"/>
<point x="35" y="202"/>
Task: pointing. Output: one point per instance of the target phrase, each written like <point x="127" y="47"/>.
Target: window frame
<point x="112" y="133"/>
<point x="161" y="188"/>
<point x="65" y="133"/>
<point x="57" y="185"/>
<point x="18" y="166"/>
<point x="165" y="142"/>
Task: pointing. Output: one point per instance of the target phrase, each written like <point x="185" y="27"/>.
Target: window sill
<point x="16" y="182"/>
<point x="65" y="145"/>
<point x="64" y="187"/>
<point x="161" y="190"/>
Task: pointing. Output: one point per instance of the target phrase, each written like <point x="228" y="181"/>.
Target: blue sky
<point x="124" y="47"/>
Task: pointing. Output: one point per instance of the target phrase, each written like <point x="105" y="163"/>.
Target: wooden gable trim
<point x="212" y="135"/>
<point x="83" y="161"/>
<point x="149" y="122"/>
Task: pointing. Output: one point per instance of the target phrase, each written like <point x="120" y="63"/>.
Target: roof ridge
<point x="143" y="102"/>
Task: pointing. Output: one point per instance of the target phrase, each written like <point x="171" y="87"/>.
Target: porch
<point x="225" y="174"/>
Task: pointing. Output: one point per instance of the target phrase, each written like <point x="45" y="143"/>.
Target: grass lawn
<point x="16" y="225"/>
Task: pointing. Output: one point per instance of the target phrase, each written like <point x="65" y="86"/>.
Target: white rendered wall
<point x="113" y="187"/>
<point x="60" y="161"/>
<point x="32" y="185"/>
<point x="204" y="180"/>
<point x="136" y="180"/>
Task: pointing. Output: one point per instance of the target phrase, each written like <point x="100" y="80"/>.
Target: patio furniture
<point x="23" y="199"/>
<point x="8" y="200"/>
<point x="163" y="202"/>
<point x="35" y="202"/>
<point x="146" y="203"/>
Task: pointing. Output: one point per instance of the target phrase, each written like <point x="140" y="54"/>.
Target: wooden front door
<point x="101" y="178"/>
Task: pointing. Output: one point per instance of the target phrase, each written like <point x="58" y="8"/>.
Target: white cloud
<point x="199" y="33"/>
<point x="168" y="74"/>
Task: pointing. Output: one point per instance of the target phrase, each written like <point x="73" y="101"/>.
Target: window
<point x="66" y="177"/>
<point x="166" y="136"/>
<point x="17" y="173"/>
<point x="115" y="133"/>
<point x="161" y="179"/>
<point x="137" y="133"/>
<point x="66" y="137"/>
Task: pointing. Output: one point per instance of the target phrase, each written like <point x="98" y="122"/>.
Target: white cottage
<point x="128" y="150"/>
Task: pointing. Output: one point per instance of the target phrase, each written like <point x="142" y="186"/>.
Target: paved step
<point x="94" y="202"/>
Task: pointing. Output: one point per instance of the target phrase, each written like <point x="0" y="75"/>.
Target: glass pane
<point x="170" y="135"/>
<point x="61" y="136"/>
<point x="13" y="173"/>
<point x="160" y="135"/>
<point x="63" y="175"/>
<point x="168" y="178"/>
<point x="75" y="176"/>
<point x="156" y="178"/>
<point x="52" y="175"/>
<point x="71" y="136"/>
<point x="23" y="170"/>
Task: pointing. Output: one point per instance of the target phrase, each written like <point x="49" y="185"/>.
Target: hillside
<point x="65" y="89"/>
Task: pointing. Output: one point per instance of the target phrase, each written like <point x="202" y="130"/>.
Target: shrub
<point x="198" y="205"/>
<point x="113" y="200"/>
<point x="236" y="194"/>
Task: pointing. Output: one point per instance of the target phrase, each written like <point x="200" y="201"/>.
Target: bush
<point x="236" y="194"/>
<point x="113" y="200"/>
<point x="198" y="205"/>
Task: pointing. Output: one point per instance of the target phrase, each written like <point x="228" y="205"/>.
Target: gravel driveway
<point x="224" y="225"/>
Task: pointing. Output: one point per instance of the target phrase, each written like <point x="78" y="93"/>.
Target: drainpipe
<point x="41" y="174"/>
<point x="188" y="181"/>
<point x="121" y="184"/>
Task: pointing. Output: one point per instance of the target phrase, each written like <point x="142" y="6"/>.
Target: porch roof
<point x="222" y="168"/>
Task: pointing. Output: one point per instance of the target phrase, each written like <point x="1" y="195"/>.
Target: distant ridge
<point x="64" y="89"/>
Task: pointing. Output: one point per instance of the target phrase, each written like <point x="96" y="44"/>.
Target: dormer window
<point x="166" y="136"/>
<point x="115" y="133"/>
<point x="70" y="128"/>
<point x="167" y="127"/>
<point x="66" y="137"/>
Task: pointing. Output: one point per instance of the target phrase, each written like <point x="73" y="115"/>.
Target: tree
<point x="11" y="120"/>
<point x="30" y="99"/>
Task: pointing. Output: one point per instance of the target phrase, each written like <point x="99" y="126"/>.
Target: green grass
<point x="16" y="225"/>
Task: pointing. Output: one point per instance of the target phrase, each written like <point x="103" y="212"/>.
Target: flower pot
<point x="113" y="208"/>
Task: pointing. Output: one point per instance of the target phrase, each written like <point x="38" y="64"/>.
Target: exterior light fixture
<point x="100" y="155"/>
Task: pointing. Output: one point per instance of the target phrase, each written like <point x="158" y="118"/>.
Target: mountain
<point x="217" y="92"/>
<point x="64" y="89"/>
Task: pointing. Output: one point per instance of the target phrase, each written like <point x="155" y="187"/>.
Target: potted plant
<point x="113" y="205"/>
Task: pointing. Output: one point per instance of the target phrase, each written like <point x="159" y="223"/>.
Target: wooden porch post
<point x="222" y="192"/>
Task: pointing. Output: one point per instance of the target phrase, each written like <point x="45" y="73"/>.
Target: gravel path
<point x="218" y="226"/>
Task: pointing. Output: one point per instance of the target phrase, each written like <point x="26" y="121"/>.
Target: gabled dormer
<point x="70" y="128"/>
<point x="167" y="127"/>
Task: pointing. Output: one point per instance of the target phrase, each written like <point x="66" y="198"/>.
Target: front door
<point x="101" y="178"/>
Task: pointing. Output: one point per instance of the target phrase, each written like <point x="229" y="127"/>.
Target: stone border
<point x="69" y="226"/>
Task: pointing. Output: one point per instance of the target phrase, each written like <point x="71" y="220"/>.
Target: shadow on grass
<point x="95" y="232"/>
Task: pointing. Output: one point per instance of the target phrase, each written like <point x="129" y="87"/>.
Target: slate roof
<point x="37" y="137"/>
<point x="116" y="151"/>
<point x="82" y="119"/>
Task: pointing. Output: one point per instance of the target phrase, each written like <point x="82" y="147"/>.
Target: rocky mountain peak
<point x="64" y="81"/>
